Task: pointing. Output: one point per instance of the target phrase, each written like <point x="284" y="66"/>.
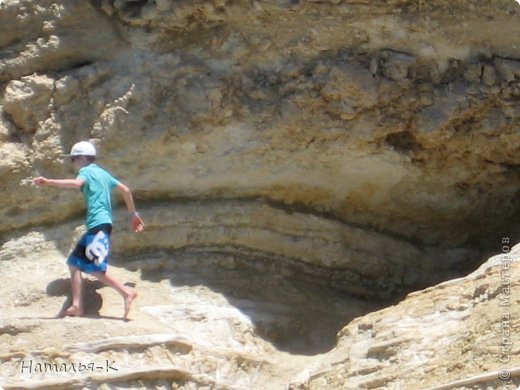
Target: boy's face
<point x="78" y="162"/>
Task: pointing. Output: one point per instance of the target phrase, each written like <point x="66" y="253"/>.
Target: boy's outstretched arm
<point x="61" y="183"/>
<point x="137" y="222"/>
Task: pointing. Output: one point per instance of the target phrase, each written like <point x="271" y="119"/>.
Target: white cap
<point x="83" y="148"/>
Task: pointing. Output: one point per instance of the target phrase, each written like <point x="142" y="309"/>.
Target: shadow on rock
<point x="294" y="313"/>
<point x="91" y="298"/>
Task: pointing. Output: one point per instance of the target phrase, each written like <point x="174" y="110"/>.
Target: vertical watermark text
<point x="504" y="301"/>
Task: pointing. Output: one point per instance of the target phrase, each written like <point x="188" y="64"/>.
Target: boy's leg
<point x="76" y="284"/>
<point x="128" y="293"/>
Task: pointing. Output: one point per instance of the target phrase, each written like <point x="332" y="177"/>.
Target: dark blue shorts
<point x="92" y="250"/>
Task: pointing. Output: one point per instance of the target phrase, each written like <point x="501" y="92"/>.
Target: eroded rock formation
<point x="217" y="321"/>
<point x="371" y="147"/>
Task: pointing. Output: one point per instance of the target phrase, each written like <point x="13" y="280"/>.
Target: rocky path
<point x="203" y="323"/>
<point x="181" y="333"/>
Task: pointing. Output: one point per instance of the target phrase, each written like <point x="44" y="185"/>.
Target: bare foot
<point x="74" y="311"/>
<point x="128" y="301"/>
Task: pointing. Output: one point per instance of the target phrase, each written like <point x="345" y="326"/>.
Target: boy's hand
<point x="40" y="181"/>
<point x="137" y="223"/>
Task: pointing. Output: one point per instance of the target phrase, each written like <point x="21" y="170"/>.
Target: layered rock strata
<point x="208" y="321"/>
<point x="425" y="341"/>
<point x="369" y="114"/>
<point x="370" y="147"/>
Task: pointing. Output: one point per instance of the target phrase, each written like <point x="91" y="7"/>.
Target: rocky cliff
<point x="309" y="161"/>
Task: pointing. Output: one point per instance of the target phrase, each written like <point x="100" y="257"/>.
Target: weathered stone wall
<point x="396" y="117"/>
<point x="370" y="146"/>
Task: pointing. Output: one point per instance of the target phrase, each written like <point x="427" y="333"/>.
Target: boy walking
<point x="91" y="253"/>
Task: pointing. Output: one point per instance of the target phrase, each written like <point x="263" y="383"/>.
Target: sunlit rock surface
<point x="211" y="320"/>
<point x="299" y="165"/>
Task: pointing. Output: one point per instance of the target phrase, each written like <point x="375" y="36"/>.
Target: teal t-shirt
<point x="97" y="191"/>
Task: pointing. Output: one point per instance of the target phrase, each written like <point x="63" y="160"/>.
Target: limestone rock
<point x="397" y="66"/>
<point x="473" y="73"/>
<point x="489" y="76"/>
<point x="507" y="69"/>
<point x="207" y="319"/>
<point x="423" y="341"/>
<point x="29" y="101"/>
<point x="348" y="91"/>
<point x="297" y="163"/>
